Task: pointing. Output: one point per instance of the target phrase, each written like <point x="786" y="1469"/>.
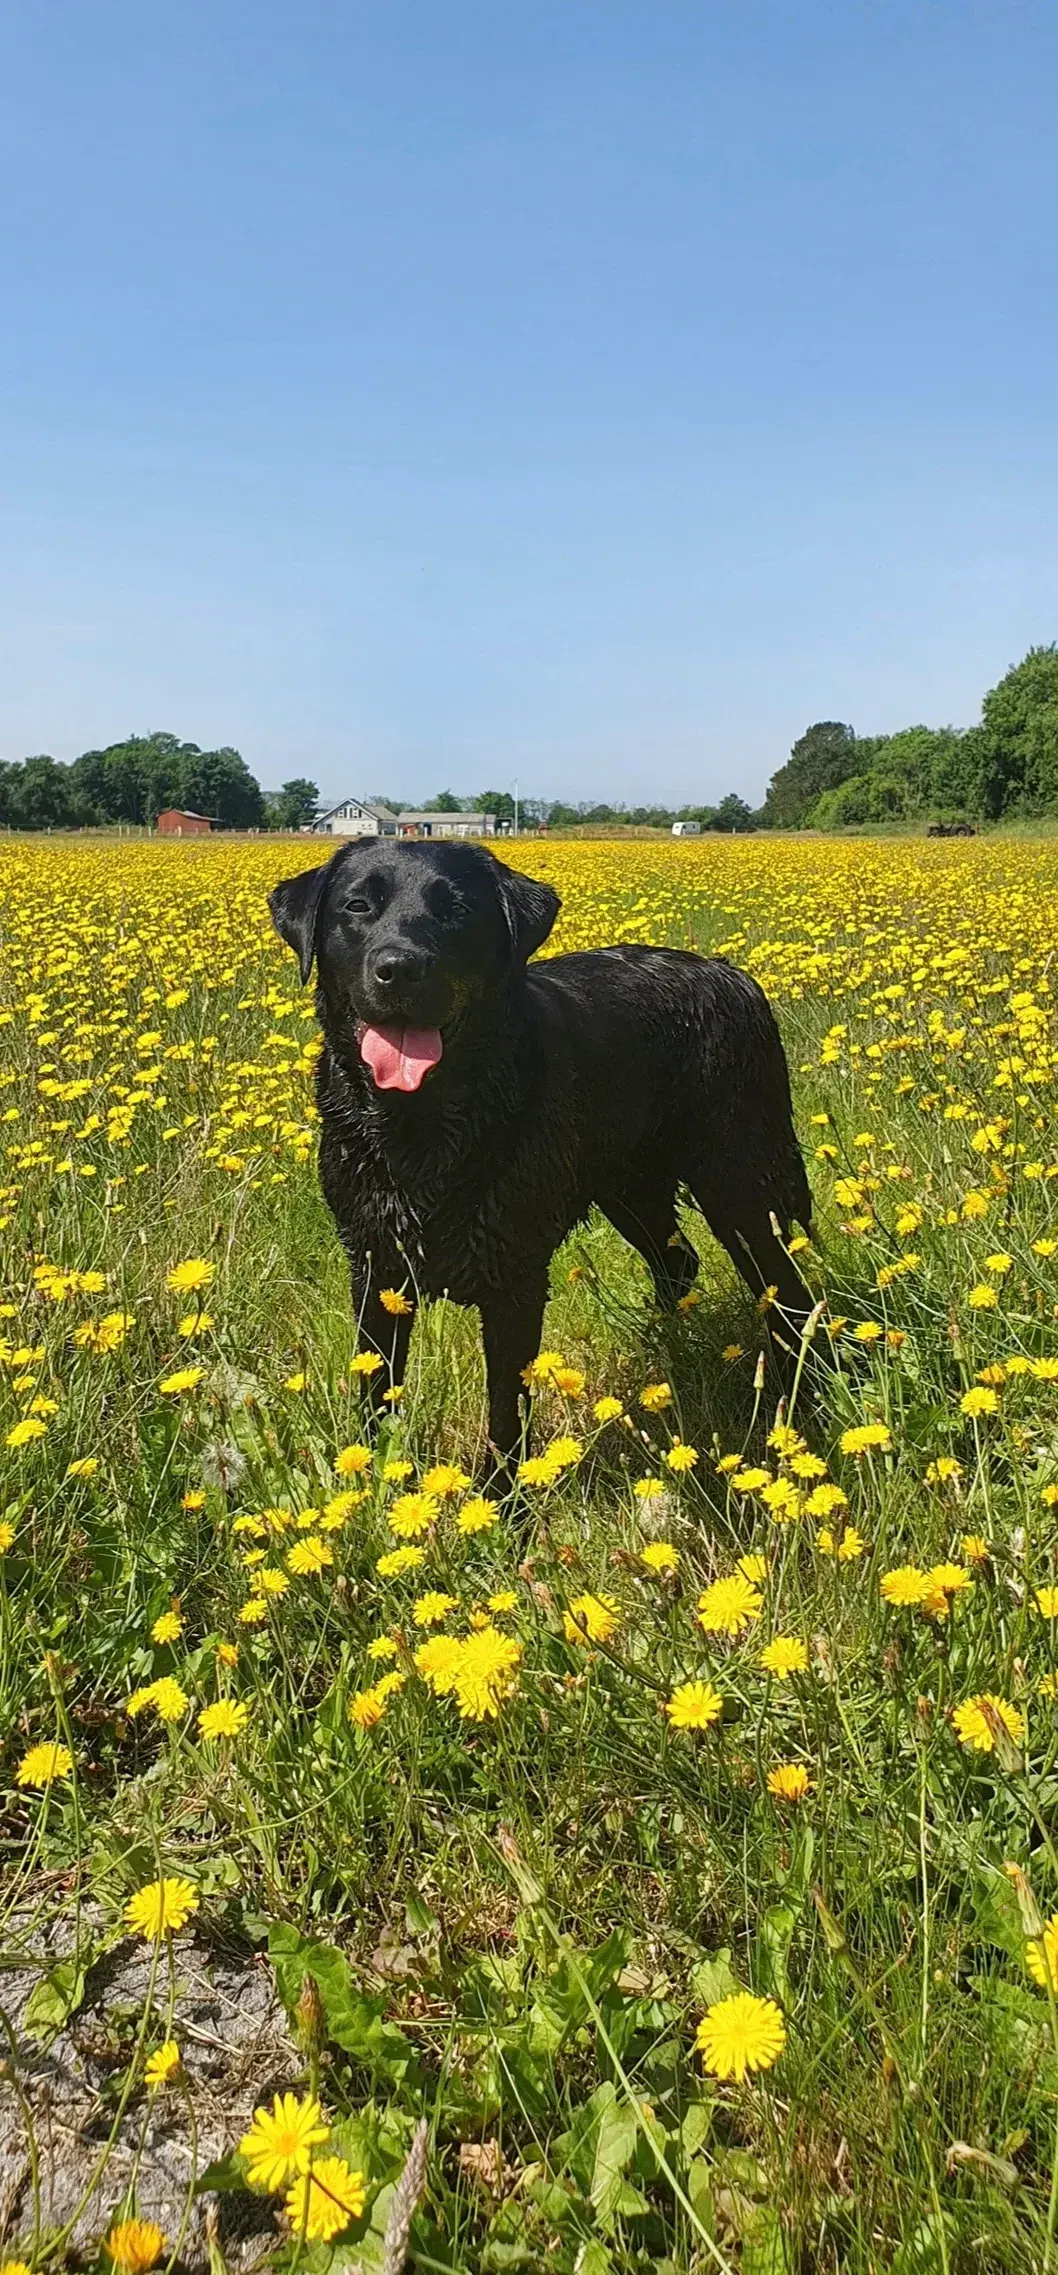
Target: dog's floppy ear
<point x="295" y="906"/>
<point x="530" y="909"/>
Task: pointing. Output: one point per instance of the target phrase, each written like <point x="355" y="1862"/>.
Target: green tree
<point x="445" y="802"/>
<point x="293" y="806"/>
<point x="826" y="754"/>
<point x="219" y="783"/>
<point x="1018" y="743"/>
<point x="43" y="798"/>
<point x="733" y="814"/>
<point x="498" y="802"/>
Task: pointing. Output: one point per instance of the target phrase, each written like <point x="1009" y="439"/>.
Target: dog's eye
<point x="359" y="908"/>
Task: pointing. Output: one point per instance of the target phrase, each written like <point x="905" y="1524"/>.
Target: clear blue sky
<point x="588" y="391"/>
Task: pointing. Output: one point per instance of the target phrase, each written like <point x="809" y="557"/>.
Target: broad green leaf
<point x="714" y="1978"/>
<point x="55" y="1998"/>
<point x="695" y="2127"/>
<point x="763" y="2249"/>
<point x="614" y="2148"/>
<point x="773" y="1947"/>
<point x="355" y="2023"/>
<point x="222" y="2176"/>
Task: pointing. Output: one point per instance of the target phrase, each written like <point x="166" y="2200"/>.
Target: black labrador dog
<point x="473" y="1109"/>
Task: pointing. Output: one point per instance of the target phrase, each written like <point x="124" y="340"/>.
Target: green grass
<point x="515" y="1925"/>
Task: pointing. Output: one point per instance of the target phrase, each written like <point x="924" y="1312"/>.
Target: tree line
<point x="132" y="782"/>
<point x="1006" y="766"/>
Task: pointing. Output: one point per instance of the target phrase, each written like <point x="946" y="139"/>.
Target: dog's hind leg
<point x="646" y="1218"/>
<point x="740" y="1217"/>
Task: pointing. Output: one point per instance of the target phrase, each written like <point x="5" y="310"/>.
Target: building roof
<point x="432" y="815"/>
<point x="367" y="806"/>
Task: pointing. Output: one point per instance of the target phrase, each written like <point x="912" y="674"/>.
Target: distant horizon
<point x="584" y="395"/>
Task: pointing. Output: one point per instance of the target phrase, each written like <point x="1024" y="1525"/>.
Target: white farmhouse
<point x="356" y="817"/>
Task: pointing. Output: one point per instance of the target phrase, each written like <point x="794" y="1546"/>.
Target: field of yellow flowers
<point x="659" y="1875"/>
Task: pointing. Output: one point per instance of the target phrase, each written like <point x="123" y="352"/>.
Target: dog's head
<point x="408" y="940"/>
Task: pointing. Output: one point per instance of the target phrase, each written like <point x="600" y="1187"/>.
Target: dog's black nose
<point x="398" y="967"/>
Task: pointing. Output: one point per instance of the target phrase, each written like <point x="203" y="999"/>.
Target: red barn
<point x="173" y="823"/>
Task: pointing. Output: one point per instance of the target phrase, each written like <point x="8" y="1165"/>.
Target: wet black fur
<point x="614" y="1077"/>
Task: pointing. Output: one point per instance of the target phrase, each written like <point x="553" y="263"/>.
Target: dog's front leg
<point x="511" y="1320"/>
<point x="381" y="1330"/>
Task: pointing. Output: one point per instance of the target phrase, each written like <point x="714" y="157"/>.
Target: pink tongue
<point x="400" y="1056"/>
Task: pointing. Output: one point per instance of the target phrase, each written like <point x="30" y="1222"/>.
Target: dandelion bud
<point x="310" y="2019"/>
<point x="1008" y="1755"/>
<point x="833" y="1932"/>
<point x="1032" y="1922"/>
<point x="758" y="1379"/>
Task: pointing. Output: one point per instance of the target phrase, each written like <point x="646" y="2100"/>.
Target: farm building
<point x="356" y="817"/>
<point x="446" y="825"/>
<point x="174" y="823"/>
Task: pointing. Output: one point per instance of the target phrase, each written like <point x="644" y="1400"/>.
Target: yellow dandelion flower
<point x="655" y="1397"/>
<point x="729" y="1605"/>
<point x="163" y="1907"/>
<point x="310" y="1555"/>
<point x="194" y="1273"/>
<point x="739" y="2034"/>
<point x="784" y="1656"/>
<point x="659" y="1556"/>
<point x="282" y="2141"/>
<point x="865" y="1437"/>
<point x="162" y="2065"/>
<point x="43" y="1764"/>
<point x="944" y="1471"/>
<point x="680" y="1458"/>
<point x="398" y="1560"/>
<point x="134" y="2246"/>
<point x="413" y="1514"/>
<point x="325" y="2200"/>
<point x="366" y="1708"/>
<point x="694" y="1706"/>
<point x="226" y="1718"/>
<point x="352" y="1460"/>
<point x="905" y="1584"/>
<point x="825" y="1499"/>
<point x="167" y="1627"/>
<point x="980" y="1400"/>
<point x="395" y="1302"/>
<point x="444" y="1480"/>
<point x="1041" y="1955"/>
<point x="973" y="1727"/>
<point x="477" y="1515"/>
<point x="431" y="1609"/>
<point x="754" y="1567"/>
<point x="591" y="1618"/>
<point x="365" y="1363"/>
<point x="789" y="1781"/>
<point x="185" y="1379"/>
<point x="23" y="1433"/>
